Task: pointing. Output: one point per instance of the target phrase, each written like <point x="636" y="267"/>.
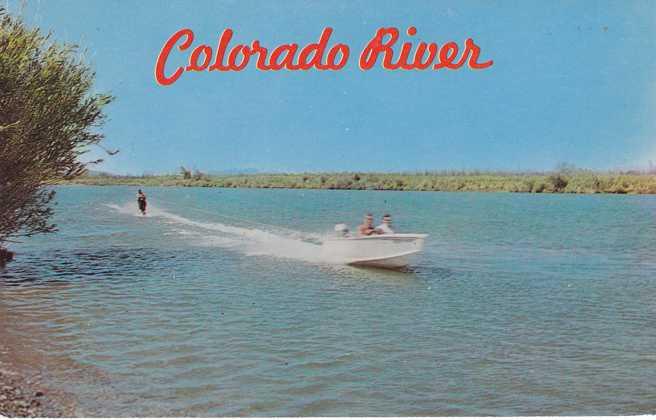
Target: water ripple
<point x="516" y="308"/>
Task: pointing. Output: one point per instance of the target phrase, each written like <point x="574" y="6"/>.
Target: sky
<point x="572" y="81"/>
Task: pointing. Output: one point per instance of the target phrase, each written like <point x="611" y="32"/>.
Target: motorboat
<point x="389" y="250"/>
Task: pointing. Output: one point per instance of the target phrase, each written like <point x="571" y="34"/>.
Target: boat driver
<point x="367" y="226"/>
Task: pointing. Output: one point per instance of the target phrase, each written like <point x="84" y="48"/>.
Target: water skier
<point x="141" y="202"/>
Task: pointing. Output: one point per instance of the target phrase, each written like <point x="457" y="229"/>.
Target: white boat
<point x="386" y="251"/>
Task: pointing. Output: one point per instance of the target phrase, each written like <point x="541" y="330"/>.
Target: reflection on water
<point x="520" y="305"/>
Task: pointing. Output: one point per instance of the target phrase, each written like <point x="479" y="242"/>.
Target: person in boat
<point x="386" y="226"/>
<point x="367" y="227"/>
<point x="141" y="202"/>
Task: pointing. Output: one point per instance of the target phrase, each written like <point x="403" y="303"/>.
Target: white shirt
<point x="384" y="227"/>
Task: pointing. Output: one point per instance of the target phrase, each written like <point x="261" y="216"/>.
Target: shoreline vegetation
<point x="560" y="181"/>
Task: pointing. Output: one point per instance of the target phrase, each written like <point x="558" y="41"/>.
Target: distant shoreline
<point x="579" y="182"/>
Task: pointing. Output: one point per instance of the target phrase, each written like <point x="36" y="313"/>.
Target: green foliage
<point x="48" y="118"/>
<point x="558" y="182"/>
<point x="186" y="173"/>
<point x="582" y="182"/>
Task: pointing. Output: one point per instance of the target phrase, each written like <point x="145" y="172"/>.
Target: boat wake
<point x="271" y="241"/>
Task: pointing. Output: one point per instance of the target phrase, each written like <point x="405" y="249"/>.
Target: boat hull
<point x="384" y="251"/>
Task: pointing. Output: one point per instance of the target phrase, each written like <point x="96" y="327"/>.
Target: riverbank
<point x="19" y="398"/>
<point x="23" y="392"/>
<point x="578" y="182"/>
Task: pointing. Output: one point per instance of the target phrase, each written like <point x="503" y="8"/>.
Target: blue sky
<point x="572" y="81"/>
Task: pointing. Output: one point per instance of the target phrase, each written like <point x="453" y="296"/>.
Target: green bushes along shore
<point x="582" y="182"/>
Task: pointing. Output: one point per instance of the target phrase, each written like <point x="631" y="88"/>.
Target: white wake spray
<point x="248" y="240"/>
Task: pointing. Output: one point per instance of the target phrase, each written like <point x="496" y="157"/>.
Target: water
<point x="218" y="303"/>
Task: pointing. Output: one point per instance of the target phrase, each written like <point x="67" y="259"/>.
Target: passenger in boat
<point x="141" y="202"/>
<point x="367" y="226"/>
<point x="386" y="226"/>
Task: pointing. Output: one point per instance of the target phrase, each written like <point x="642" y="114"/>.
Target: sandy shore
<point x="20" y="398"/>
<point x="22" y="390"/>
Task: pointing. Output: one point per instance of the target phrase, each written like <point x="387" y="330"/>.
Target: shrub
<point x="558" y="182"/>
<point x="48" y="119"/>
